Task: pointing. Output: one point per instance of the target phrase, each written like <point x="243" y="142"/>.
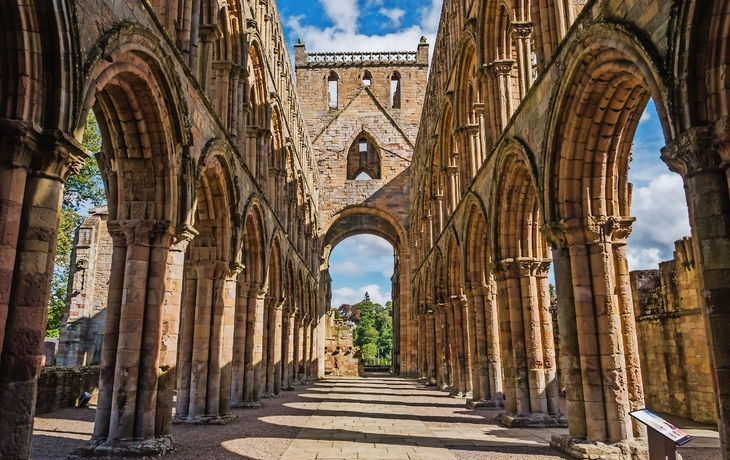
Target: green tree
<point x="81" y="190"/>
<point x="374" y="330"/>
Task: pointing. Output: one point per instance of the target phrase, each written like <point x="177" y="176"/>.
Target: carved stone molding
<point x="692" y="151"/>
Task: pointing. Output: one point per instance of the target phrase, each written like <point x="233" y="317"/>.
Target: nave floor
<point x="378" y="417"/>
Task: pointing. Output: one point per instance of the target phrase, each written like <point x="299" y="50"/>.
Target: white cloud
<point x="345" y="34"/>
<point x="394" y="14"/>
<point x="343" y="13"/>
<point x="351" y="296"/>
<point x="661" y="219"/>
<point x="349" y="269"/>
<point x="645" y="116"/>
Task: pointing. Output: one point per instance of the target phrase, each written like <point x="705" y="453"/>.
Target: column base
<point x="456" y="394"/>
<point x="289" y="388"/>
<point x="485" y="404"/>
<point x="206" y="420"/>
<point x="581" y="448"/>
<point x="270" y="395"/>
<point x="534" y="420"/>
<point x="247" y="405"/>
<point x="431" y="383"/>
<point x="152" y="447"/>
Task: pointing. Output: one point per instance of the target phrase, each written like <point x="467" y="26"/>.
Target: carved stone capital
<point x="693" y="150"/>
<point x="503" y="67"/>
<point x="588" y="230"/>
<point x="131" y="232"/>
<point x="519" y="267"/>
<point x="521" y="29"/>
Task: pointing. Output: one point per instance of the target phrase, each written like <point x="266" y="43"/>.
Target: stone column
<point x="306" y="338"/>
<point x="140" y="339"/>
<point x="477" y="349"/>
<point x="240" y="330"/>
<point x="488" y="366"/>
<point x="310" y="361"/>
<point x="503" y="70"/>
<point x="254" y="346"/>
<point x="431" y="378"/>
<point x="300" y="343"/>
<point x="297" y="348"/>
<point x="168" y="362"/>
<point x="568" y="326"/>
<point x="441" y="361"/>
<point x="600" y="333"/>
<point x="32" y="174"/>
<point x="521" y="32"/>
<point x="287" y="351"/>
<point x="278" y="341"/>
<point x="451" y="351"/>
<point x="700" y="156"/>
<point x="458" y="304"/>
<point x="552" y="392"/>
<point x="205" y="388"/>
<point x="524" y="321"/>
<point x="265" y="332"/>
<point x="628" y="325"/>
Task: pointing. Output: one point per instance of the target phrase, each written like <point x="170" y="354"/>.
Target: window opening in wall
<point x="367" y="78"/>
<point x="332" y="83"/>
<point x="395" y="90"/>
<point x="363" y="160"/>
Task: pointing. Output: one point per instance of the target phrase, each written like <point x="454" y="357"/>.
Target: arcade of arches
<point x="229" y="177"/>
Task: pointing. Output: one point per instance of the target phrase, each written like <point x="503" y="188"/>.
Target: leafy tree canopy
<point x="373" y="328"/>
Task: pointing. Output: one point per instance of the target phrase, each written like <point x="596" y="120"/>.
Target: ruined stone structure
<point x="227" y="186"/>
<point x="341" y="357"/>
<point x="672" y="339"/>
<point x="362" y="112"/>
<point x="212" y="201"/>
<point x="521" y="161"/>
<point x="82" y="327"/>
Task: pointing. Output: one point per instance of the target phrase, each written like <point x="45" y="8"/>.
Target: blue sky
<point x="360" y="25"/>
<point x="365" y="263"/>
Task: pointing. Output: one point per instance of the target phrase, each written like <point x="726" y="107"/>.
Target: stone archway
<point x="358" y="220"/>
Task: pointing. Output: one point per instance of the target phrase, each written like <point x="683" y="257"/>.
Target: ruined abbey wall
<point x="82" y="326"/>
<point x="521" y="164"/>
<point x="368" y="111"/>
<point x="672" y="338"/>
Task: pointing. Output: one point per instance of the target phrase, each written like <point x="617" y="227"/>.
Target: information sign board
<point x="663" y="427"/>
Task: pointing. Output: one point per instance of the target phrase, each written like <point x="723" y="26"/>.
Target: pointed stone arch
<point x="363" y="156"/>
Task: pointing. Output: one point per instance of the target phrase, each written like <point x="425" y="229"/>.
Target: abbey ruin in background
<point x="228" y="183"/>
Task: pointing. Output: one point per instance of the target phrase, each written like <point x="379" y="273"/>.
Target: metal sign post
<point x="663" y="436"/>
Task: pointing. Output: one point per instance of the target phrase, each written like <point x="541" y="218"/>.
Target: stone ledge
<point x="583" y="449"/>
<point x="206" y="420"/>
<point x="534" y="420"/>
<point x="485" y="404"/>
<point x="153" y="447"/>
<point x="247" y="405"/>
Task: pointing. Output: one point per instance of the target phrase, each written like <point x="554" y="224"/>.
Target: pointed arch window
<point x="367" y="78"/>
<point x="395" y="90"/>
<point x="363" y="160"/>
<point x="333" y="81"/>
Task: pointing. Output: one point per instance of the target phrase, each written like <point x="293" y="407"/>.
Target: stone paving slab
<point x="368" y="427"/>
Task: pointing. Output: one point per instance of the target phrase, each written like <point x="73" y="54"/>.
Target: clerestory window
<point x="332" y="87"/>
<point x="395" y="90"/>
